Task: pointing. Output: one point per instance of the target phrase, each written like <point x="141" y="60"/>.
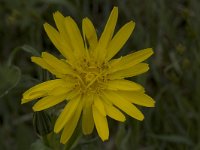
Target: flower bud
<point x="42" y="123"/>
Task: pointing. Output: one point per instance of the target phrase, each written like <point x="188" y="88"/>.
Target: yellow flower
<point x="90" y="82"/>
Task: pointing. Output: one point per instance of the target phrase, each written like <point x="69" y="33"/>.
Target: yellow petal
<point x="33" y="95"/>
<point x="58" y="65"/>
<point x="119" y="39"/>
<point x="101" y="124"/>
<point x="60" y="24"/>
<point x="75" y="37"/>
<point x="114" y="113"/>
<point x="124" y="105"/>
<point x="73" y="93"/>
<point x="87" y="117"/>
<point x="130" y="72"/>
<point x="100" y="51"/>
<point x="71" y="125"/>
<point x="87" y="121"/>
<point x="109" y="28"/>
<point x="99" y="104"/>
<point x="64" y="42"/>
<point x="66" y="114"/>
<point x="129" y="60"/>
<point x="89" y="32"/>
<point x="39" y="61"/>
<point x="54" y="36"/>
<point x="48" y="101"/>
<point x="122" y="85"/>
<point x="41" y="89"/>
<point x="60" y="90"/>
<point x="59" y="20"/>
<point x="48" y="85"/>
<point x="138" y="98"/>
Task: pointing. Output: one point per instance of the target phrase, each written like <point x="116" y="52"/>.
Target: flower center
<point x="91" y="77"/>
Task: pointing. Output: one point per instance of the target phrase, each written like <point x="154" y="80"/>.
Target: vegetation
<point x="170" y="28"/>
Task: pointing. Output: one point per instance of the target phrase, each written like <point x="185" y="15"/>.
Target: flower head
<point x="93" y="85"/>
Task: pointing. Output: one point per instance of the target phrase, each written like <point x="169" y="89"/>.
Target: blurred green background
<point x="171" y="28"/>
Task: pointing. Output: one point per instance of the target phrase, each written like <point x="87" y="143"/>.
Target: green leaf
<point x="25" y="48"/>
<point x="39" y="145"/>
<point x="30" y="50"/>
<point x="9" y="78"/>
